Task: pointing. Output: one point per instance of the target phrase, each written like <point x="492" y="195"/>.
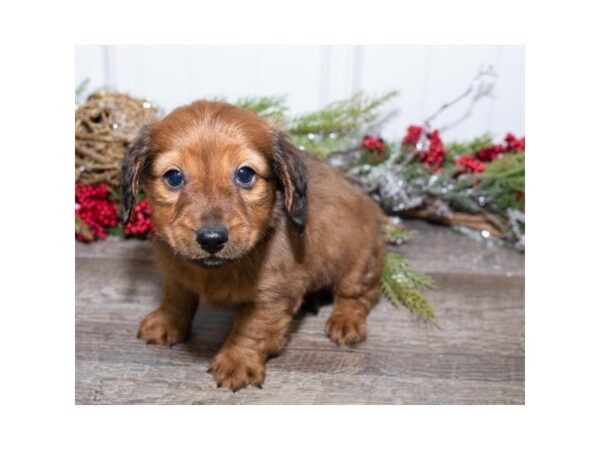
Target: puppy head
<point x="211" y="172"/>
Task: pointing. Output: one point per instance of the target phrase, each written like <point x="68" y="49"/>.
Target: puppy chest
<point x="213" y="290"/>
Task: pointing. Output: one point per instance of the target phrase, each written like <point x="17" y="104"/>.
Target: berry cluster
<point x="95" y="211"/>
<point x="513" y="144"/>
<point x="493" y="152"/>
<point x="433" y="156"/>
<point x="489" y="154"/>
<point x="436" y="153"/>
<point x="139" y="225"/>
<point x="374" y="145"/>
<point x="413" y="134"/>
<point x="470" y="165"/>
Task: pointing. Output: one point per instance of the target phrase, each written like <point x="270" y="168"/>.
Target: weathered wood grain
<point x="125" y="383"/>
<point x="476" y="356"/>
<point x="437" y="248"/>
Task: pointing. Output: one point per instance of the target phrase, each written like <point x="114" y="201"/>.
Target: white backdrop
<point x="312" y="76"/>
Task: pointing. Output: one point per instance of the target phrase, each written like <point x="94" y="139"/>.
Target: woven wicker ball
<point x="105" y="126"/>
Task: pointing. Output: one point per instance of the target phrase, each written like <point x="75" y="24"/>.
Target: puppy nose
<point x="212" y="239"/>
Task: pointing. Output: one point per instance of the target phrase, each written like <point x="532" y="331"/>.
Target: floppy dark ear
<point x="290" y="172"/>
<point x="133" y="166"/>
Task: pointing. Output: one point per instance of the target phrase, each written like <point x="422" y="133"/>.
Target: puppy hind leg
<point x="355" y="293"/>
<point x="170" y="324"/>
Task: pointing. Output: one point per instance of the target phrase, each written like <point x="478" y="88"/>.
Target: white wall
<point x="312" y="76"/>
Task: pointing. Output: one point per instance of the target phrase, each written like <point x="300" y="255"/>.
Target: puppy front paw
<point x="346" y="328"/>
<point x="162" y="328"/>
<point x="235" y="370"/>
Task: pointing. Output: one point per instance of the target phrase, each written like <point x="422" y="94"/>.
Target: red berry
<point x="95" y="209"/>
<point x="471" y="165"/>
<point x="413" y="135"/>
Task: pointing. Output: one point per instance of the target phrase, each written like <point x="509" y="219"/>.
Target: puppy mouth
<point x="211" y="262"/>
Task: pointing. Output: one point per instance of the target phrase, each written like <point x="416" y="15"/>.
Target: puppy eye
<point x="174" y="178"/>
<point x="245" y="177"/>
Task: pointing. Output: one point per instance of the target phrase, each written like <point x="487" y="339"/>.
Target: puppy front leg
<point x="348" y="322"/>
<point x="171" y="322"/>
<point x="258" y="332"/>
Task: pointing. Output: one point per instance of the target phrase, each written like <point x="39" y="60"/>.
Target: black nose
<point x="212" y="239"/>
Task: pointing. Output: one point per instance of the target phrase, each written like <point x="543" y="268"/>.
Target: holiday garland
<point x="478" y="185"/>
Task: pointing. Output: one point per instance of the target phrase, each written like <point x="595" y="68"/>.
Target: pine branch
<point x="335" y="127"/>
<point x="396" y="235"/>
<point x="343" y="116"/>
<point x="503" y="179"/>
<point x="268" y="107"/>
<point x="456" y="149"/>
<point x="402" y="285"/>
<point x="338" y="124"/>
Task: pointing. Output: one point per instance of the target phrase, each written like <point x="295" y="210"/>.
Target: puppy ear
<point x="290" y="172"/>
<point x="133" y="166"/>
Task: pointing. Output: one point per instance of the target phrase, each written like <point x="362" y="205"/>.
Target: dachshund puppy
<point x="243" y="218"/>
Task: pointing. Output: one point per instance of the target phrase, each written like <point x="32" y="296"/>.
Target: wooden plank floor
<point x="476" y="357"/>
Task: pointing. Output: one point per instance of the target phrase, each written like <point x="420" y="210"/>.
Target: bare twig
<point x="479" y="88"/>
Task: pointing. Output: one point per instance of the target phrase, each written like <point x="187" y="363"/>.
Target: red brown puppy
<point x="244" y="219"/>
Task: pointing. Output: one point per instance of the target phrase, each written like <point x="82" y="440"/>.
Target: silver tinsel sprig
<point x="516" y="220"/>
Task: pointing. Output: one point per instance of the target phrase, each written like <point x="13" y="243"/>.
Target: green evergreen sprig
<point x="274" y="107"/>
<point x="457" y="149"/>
<point x="338" y="126"/>
<point x="342" y="117"/>
<point x="397" y="235"/>
<point x="403" y="285"/>
<point x="503" y="179"/>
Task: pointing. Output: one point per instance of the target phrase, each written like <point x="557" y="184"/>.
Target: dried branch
<point x="480" y="87"/>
